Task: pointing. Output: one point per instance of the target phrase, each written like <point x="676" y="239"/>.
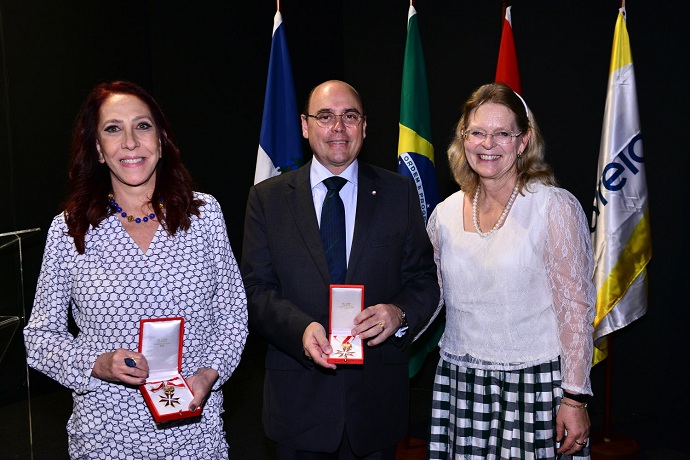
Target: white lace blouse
<point x="523" y="295"/>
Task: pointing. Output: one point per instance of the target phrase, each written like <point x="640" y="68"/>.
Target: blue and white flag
<point x="280" y="142"/>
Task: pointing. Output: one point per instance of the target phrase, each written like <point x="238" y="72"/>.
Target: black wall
<point x="206" y="63"/>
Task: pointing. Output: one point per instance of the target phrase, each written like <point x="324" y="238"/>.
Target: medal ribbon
<point x="167" y="383"/>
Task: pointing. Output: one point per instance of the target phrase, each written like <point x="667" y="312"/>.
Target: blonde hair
<point x="531" y="164"/>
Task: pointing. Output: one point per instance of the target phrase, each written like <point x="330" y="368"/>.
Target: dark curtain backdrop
<point x="206" y="63"/>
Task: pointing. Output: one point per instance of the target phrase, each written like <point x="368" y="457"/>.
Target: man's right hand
<point x="316" y="345"/>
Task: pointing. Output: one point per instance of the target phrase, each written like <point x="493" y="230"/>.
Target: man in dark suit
<point x="313" y="410"/>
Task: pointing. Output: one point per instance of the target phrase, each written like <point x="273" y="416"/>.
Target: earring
<point x="519" y="155"/>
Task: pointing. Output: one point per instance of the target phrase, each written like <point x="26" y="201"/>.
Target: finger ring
<point x="380" y="323"/>
<point x="581" y="443"/>
<point x="129" y="362"/>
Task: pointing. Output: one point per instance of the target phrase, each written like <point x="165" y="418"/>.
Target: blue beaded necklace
<point x="138" y="220"/>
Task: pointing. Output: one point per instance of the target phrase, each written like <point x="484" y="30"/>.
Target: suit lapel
<point x="301" y="205"/>
<point x="367" y="192"/>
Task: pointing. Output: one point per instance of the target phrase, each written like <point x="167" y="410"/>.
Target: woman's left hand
<point x="201" y="383"/>
<point x="575" y="423"/>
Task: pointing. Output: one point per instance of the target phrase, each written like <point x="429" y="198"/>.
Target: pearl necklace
<point x="499" y="222"/>
<point x="138" y="220"/>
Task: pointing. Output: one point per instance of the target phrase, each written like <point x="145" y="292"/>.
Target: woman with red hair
<point x="135" y="241"/>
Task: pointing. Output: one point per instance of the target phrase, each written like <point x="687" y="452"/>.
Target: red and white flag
<point x="507" y="68"/>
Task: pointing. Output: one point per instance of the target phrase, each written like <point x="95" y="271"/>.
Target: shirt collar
<point x="318" y="173"/>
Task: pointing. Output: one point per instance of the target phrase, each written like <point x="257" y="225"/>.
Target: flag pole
<point x="608" y="385"/>
<point x="416" y="162"/>
<point x="608" y="444"/>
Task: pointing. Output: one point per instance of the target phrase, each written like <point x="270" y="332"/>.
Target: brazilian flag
<point x="416" y="156"/>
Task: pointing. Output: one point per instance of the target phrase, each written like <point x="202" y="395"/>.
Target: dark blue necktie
<point x="333" y="229"/>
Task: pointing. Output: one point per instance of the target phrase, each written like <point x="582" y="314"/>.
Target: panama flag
<point x="621" y="236"/>
<point x="507" y="68"/>
<point x="280" y="141"/>
<point x="415" y="151"/>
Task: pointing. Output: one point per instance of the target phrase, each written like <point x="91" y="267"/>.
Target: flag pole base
<point x="614" y="447"/>
<point x="411" y="449"/>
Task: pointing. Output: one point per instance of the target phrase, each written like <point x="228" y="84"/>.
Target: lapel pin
<point x="373" y="192"/>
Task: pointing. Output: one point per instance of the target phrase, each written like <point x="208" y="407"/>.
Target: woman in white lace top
<point x="515" y="266"/>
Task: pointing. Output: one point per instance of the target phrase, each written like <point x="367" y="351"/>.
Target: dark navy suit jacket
<point x="287" y="281"/>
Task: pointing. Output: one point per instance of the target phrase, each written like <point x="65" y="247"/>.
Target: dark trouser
<point x="344" y="452"/>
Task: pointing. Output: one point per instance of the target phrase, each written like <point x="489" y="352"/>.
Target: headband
<point x="523" y="103"/>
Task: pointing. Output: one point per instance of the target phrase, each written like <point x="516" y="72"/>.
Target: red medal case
<point x="346" y="302"/>
<point x="165" y="391"/>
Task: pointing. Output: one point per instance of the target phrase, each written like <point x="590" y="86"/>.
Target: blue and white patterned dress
<point x="110" y="288"/>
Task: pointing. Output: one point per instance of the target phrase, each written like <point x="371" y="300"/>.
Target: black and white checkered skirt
<point x="486" y="415"/>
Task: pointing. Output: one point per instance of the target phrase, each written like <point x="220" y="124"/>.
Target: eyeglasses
<point x="500" y="137"/>
<point x="330" y="119"/>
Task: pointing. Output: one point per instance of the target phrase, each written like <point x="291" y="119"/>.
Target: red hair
<point x="87" y="202"/>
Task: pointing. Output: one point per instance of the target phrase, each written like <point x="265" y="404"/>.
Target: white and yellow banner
<point x="621" y="235"/>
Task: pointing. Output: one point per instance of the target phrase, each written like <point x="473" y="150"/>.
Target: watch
<point x="402" y="329"/>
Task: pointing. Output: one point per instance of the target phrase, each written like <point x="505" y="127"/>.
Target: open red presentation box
<point x="165" y="391"/>
<point x="346" y="302"/>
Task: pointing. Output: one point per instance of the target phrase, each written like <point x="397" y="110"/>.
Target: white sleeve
<point x="569" y="263"/>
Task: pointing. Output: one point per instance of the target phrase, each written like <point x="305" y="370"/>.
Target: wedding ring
<point x="581" y="443"/>
<point x="129" y="362"/>
<point x="380" y="323"/>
